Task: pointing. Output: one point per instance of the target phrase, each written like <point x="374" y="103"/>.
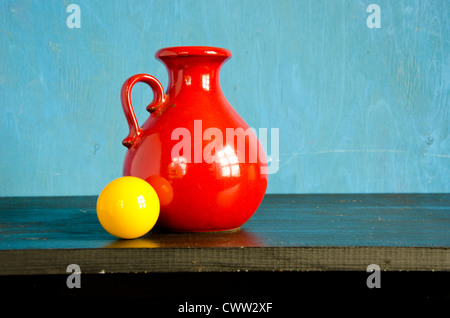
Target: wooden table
<point x="320" y="243"/>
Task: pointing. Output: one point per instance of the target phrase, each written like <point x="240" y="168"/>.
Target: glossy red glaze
<point x="204" y="183"/>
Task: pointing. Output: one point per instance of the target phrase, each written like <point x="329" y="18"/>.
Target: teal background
<point x="359" y="110"/>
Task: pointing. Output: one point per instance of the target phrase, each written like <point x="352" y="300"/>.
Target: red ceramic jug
<point x="207" y="166"/>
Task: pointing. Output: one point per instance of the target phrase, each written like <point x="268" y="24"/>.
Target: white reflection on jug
<point x="188" y="80"/>
<point x="177" y="168"/>
<point x="229" y="163"/>
<point x="205" y="82"/>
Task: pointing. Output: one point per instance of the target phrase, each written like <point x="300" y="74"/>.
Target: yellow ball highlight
<point x="128" y="207"/>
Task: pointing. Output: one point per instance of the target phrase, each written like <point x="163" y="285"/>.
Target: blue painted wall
<point x="358" y="109"/>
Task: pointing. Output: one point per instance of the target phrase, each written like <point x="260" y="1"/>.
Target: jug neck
<point x="193" y="68"/>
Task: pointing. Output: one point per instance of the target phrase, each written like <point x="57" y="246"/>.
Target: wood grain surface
<point x="43" y="235"/>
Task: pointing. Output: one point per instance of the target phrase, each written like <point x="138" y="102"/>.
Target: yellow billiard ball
<point x="128" y="207"/>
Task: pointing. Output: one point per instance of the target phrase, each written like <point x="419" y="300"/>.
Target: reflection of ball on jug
<point x="163" y="188"/>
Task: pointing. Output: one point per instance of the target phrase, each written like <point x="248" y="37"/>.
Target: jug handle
<point x="158" y="98"/>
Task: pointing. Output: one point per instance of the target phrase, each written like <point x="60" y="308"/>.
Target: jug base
<point x="170" y="230"/>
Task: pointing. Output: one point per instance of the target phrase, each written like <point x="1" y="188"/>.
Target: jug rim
<point x="175" y="51"/>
